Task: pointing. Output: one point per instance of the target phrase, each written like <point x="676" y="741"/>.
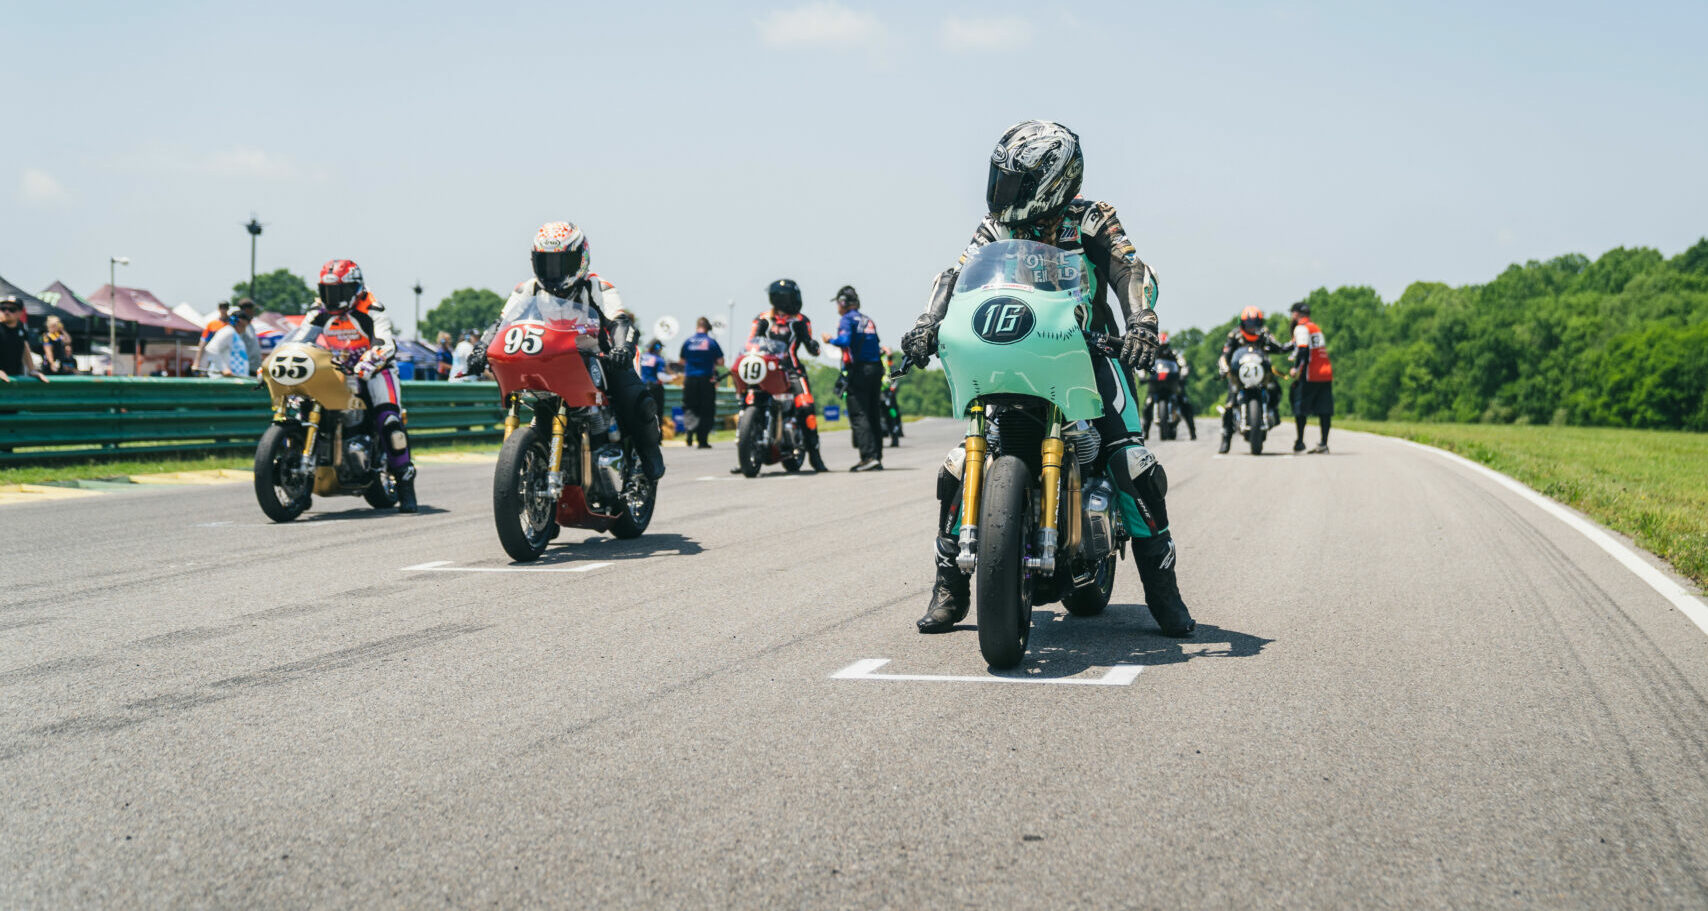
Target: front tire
<point x="747" y="442"/>
<point x="282" y="493"/>
<point x="525" y="518"/>
<point x="1004" y="589"/>
<point x="1254" y="420"/>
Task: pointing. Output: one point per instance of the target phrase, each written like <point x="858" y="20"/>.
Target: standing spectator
<point x="445" y="356"/>
<point x="56" y="349"/>
<point x="1313" y="377"/>
<point x="234" y="350"/>
<point x="654" y="372"/>
<point x="862" y="363"/>
<point x="16" y="358"/>
<point x="210" y="330"/>
<point x="460" y="358"/>
<point x="701" y="357"/>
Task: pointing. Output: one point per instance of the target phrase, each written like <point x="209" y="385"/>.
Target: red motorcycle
<point x="581" y="473"/>
<point x="768" y="430"/>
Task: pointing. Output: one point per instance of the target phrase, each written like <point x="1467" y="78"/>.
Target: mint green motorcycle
<point x="1038" y="522"/>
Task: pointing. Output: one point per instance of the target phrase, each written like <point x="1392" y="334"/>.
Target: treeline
<point x="1619" y="341"/>
<point x="922" y="392"/>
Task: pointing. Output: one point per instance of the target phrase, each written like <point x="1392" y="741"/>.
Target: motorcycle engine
<point x="355" y="464"/>
<point x="608" y="472"/>
<point x="1097" y="500"/>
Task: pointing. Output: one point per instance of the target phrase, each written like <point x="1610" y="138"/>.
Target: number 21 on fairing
<point x="524" y="338"/>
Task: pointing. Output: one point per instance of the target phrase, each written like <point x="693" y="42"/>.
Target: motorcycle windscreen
<point x="1016" y="327"/>
<point x="540" y="346"/>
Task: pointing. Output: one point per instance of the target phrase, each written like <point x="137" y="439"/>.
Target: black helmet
<point x="847" y="296"/>
<point x="1034" y="172"/>
<point x="1301" y="308"/>
<point x="785" y="296"/>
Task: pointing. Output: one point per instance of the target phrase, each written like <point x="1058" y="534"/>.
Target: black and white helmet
<point x="1034" y="172"/>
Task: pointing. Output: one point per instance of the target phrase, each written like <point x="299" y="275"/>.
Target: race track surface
<point x="1409" y="688"/>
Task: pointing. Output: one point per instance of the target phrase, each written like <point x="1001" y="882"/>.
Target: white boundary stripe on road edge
<point x="1119" y="675"/>
<point x="444" y="566"/>
<point x="1687" y="603"/>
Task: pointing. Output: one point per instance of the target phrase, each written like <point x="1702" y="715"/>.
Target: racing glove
<point x="919" y="344"/>
<point x="367" y="365"/>
<point x="1138" y="346"/>
<point x="477" y="361"/>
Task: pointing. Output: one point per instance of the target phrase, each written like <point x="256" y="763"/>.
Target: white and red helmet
<point x="560" y="255"/>
<point x="340" y="284"/>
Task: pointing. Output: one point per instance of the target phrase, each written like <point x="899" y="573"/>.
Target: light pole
<point x="113" y="264"/>
<point x="418" y="309"/>
<point x="254" y="229"/>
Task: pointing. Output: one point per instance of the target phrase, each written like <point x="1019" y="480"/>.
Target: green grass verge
<point x="1649" y="484"/>
<point x="96" y="469"/>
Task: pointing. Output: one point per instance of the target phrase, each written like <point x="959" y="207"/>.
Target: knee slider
<point x="395" y="435"/>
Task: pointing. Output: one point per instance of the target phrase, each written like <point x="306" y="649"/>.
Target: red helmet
<point x="340" y="284"/>
<point x="560" y="255"/>
<point x="1162" y="339"/>
<point x="1250" y="323"/>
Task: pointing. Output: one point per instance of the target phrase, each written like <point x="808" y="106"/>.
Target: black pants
<point x="656" y="390"/>
<point x="699" y="407"/>
<point x="865" y="382"/>
<point x="635" y="414"/>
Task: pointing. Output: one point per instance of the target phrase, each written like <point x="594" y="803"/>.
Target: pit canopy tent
<point x="136" y="305"/>
<point x="37" y="309"/>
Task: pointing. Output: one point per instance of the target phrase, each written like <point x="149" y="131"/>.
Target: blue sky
<point x="1255" y="151"/>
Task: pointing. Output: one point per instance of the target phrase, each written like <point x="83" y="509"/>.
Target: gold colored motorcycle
<point x="322" y="439"/>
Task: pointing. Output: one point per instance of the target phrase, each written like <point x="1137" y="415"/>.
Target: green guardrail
<point x="81" y="417"/>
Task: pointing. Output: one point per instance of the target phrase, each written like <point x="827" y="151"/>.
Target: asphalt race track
<point x="1410" y="688"/>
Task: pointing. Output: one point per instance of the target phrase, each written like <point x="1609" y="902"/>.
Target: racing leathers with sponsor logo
<point x="1239" y="337"/>
<point x="365" y="331"/>
<point x="1093" y="229"/>
<point x="795" y="331"/>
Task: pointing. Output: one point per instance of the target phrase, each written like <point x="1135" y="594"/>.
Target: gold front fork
<point x="1054" y="447"/>
<point x="310" y="432"/>
<point x="554" y="477"/>
<point x="972" y="487"/>
<point x="513" y="417"/>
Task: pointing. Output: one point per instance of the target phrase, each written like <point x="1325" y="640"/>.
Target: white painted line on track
<point x="710" y="478"/>
<point x="1119" y="675"/>
<point x="1687" y="603"/>
<point x="444" y="566"/>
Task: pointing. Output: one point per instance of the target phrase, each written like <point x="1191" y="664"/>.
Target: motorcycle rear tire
<point x="278" y="442"/>
<point x="633" y="525"/>
<point x="1004" y="592"/>
<point x="1254" y="419"/>
<point x="524" y="451"/>
<point x="382" y="493"/>
<point x="1090" y="600"/>
<point x="747" y="442"/>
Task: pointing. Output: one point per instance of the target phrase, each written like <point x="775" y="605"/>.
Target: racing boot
<point x="652" y="460"/>
<point x="1155" y="557"/>
<point x="816" y="460"/>
<point x="951" y="595"/>
<point x="1226" y="440"/>
<point x="404" y="484"/>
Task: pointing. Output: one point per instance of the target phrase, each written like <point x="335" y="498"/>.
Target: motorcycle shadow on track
<point x="365" y="513"/>
<point x="602" y="548"/>
<point x="1065" y="646"/>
